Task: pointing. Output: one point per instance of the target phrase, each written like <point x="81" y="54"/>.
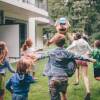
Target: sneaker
<point x="87" y="97"/>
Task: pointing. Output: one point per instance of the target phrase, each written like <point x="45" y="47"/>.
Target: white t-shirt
<point x="79" y="47"/>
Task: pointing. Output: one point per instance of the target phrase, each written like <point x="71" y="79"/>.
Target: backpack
<point x="71" y="68"/>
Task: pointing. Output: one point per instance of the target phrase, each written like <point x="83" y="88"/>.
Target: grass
<point x="39" y="90"/>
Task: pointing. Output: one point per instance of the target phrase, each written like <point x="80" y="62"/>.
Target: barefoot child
<point x="3" y="65"/>
<point x="19" y="83"/>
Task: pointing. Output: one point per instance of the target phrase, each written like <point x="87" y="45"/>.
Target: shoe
<point x="87" y="97"/>
<point x="77" y="83"/>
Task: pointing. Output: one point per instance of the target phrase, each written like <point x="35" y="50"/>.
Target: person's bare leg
<point x="85" y="78"/>
<point x="33" y="74"/>
<point x="86" y="82"/>
<point x="2" y="97"/>
<point x="63" y="96"/>
<point x="77" y="73"/>
<point x="97" y="78"/>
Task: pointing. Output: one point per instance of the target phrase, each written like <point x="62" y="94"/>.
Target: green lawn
<point x="39" y="90"/>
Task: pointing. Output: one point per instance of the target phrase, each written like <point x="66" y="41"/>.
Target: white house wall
<point x="39" y="36"/>
<point x="16" y="16"/>
<point x="10" y="34"/>
<point x="29" y="10"/>
<point x="32" y="31"/>
<point x="30" y="14"/>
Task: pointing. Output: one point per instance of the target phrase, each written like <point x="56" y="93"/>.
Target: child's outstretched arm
<point x="31" y="80"/>
<point x="42" y="55"/>
<point x="8" y="65"/>
<point x="79" y="57"/>
<point x="8" y="86"/>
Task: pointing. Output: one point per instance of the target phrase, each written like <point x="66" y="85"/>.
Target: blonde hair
<point x="3" y="51"/>
<point x="24" y="66"/>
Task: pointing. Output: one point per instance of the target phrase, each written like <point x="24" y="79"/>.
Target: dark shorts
<point x="81" y="63"/>
<point x="57" y="86"/>
<point x="96" y="72"/>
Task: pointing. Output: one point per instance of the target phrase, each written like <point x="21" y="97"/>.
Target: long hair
<point x="28" y="43"/>
<point x="3" y="51"/>
<point x="23" y="66"/>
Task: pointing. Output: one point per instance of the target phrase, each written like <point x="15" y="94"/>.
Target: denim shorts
<point x="57" y="86"/>
<point x="19" y="97"/>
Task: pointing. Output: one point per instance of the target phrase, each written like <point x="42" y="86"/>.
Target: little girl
<point x="19" y="83"/>
<point x="3" y="65"/>
<point x="29" y="52"/>
<point x="96" y="55"/>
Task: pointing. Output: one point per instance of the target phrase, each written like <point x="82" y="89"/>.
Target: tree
<point x="84" y="15"/>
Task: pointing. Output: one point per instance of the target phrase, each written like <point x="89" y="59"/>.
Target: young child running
<point x="81" y="47"/>
<point x="57" y="72"/>
<point x="29" y="52"/>
<point x="96" y="55"/>
<point x="3" y="65"/>
<point x="19" y="83"/>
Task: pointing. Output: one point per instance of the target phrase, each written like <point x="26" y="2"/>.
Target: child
<point x="3" y="65"/>
<point x="29" y="52"/>
<point x="62" y="25"/>
<point x="96" y="55"/>
<point x="81" y="47"/>
<point x="20" y="82"/>
<point x="56" y="70"/>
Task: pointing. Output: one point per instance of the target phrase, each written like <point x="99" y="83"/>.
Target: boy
<point x="96" y="55"/>
<point x="56" y="70"/>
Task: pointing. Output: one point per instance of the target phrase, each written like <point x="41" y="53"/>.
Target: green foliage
<point x="94" y="37"/>
<point x="84" y="15"/>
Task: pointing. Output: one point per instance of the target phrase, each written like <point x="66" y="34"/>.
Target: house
<point x="20" y="19"/>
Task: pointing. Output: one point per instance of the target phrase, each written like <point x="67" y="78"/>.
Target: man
<point x="62" y="25"/>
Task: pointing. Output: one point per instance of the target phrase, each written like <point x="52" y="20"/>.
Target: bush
<point x="94" y="37"/>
